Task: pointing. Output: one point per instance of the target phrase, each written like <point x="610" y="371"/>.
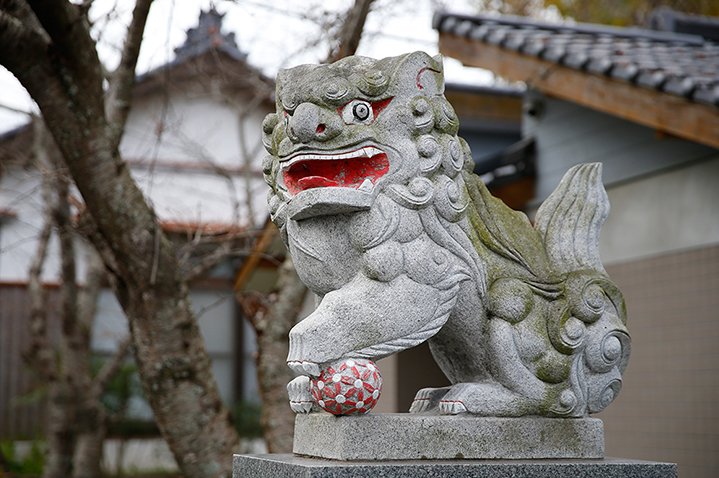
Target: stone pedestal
<point x="291" y="466"/>
<point x="404" y="436"/>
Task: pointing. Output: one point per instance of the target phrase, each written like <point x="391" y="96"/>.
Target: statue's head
<point x="346" y="131"/>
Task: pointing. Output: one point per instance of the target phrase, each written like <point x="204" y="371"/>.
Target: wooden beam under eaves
<point x="661" y="111"/>
<point x="266" y="236"/>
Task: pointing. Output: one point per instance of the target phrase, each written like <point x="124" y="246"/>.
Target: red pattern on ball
<point x="347" y="387"/>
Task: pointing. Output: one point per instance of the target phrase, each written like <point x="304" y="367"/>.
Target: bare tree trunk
<point x="351" y="32"/>
<point x="65" y="365"/>
<point x="48" y="47"/>
<point x="60" y="432"/>
<point x="91" y="418"/>
<point x="272" y="322"/>
<point x="51" y="360"/>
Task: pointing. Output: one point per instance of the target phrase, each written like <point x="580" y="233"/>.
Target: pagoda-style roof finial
<point x="207" y="35"/>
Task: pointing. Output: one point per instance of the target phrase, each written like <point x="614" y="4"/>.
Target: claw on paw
<point x="310" y="369"/>
<point x="299" y="394"/>
<point x="451" y="407"/>
<point x="419" y="405"/>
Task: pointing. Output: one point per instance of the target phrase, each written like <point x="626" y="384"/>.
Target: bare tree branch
<point x="123" y="78"/>
<point x="272" y="318"/>
<point x="17" y="36"/>
<point x="68" y="269"/>
<point x="351" y="31"/>
<point x="40" y="352"/>
<point x="69" y="31"/>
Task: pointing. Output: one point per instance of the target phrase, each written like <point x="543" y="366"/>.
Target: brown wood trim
<point x="662" y="111"/>
<point x="24" y="284"/>
<point x="265" y="240"/>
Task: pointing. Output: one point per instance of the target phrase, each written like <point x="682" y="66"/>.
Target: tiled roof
<point x="678" y="64"/>
<point x="207" y="35"/>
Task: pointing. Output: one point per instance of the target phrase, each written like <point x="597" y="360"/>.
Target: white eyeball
<point x="357" y="112"/>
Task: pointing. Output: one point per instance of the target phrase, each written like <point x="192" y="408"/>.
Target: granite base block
<point x="291" y="466"/>
<point x="404" y="436"/>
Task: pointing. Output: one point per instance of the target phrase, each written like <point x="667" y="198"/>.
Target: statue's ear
<point x="421" y="72"/>
<point x="280" y="82"/>
<point x="291" y="82"/>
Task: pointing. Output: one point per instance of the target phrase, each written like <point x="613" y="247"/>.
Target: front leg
<point x="367" y="318"/>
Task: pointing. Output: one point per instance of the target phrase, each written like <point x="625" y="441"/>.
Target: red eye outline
<point x="377" y="106"/>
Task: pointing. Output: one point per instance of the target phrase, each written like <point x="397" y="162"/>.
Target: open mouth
<point x="358" y="169"/>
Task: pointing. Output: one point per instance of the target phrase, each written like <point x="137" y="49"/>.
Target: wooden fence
<point x="21" y="394"/>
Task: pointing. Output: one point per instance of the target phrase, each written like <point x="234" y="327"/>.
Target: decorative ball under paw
<point x="347" y="387"/>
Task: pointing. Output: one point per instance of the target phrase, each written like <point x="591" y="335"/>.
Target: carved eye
<point x="357" y="111"/>
<point x="361" y="111"/>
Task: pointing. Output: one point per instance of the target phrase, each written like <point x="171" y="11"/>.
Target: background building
<point x="645" y="103"/>
<point x="193" y="143"/>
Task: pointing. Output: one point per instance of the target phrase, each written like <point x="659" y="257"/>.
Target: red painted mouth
<point x="359" y="169"/>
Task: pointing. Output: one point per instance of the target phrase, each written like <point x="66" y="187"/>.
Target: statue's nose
<point x="310" y="123"/>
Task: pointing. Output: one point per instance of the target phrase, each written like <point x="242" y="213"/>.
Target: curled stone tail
<point x="570" y="219"/>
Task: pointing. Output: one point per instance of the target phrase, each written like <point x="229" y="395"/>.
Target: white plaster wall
<point x="21" y="192"/>
<point x="182" y="127"/>
<point x="675" y="210"/>
<point x="200" y="128"/>
<point x="201" y="197"/>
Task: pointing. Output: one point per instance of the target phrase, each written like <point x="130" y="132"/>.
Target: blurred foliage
<point x="28" y="464"/>
<point x="123" y="387"/>
<point x="608" y="12"/>
<point x="527" y="8"/>
<point x="627" y="12"/>
<point x="130" y="428"/>
<point x="246" y="418"/>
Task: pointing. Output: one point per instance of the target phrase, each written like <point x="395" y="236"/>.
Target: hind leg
<point x="485" y="399"/>
<point x="427" y="399"/>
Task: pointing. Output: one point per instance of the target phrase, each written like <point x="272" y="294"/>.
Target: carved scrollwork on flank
<point x="571" y="400"/>
<point x="566" y="333"/>
<point x="510" y="300"/>
<point x="608" y="351"/>
<point x="603" y="389"/>
<point x="450" y="200"/>
<point x="417" y="195"/>
<point x="587" y="297"/>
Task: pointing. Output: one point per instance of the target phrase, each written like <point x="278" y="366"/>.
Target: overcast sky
<point x="274" y="34"/>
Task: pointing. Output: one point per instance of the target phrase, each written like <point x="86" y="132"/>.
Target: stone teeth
<point x="367" y="152"/>
<point x="371" y="151"/>
<point x="366" y="185"/>
<point x="311" y="369"/>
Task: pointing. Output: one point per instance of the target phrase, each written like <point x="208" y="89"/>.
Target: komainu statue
<point x="374" y="194"/>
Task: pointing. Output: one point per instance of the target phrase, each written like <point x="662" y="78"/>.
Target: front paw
<point x="300" y="397"/>
<point x="304" y="368"/>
